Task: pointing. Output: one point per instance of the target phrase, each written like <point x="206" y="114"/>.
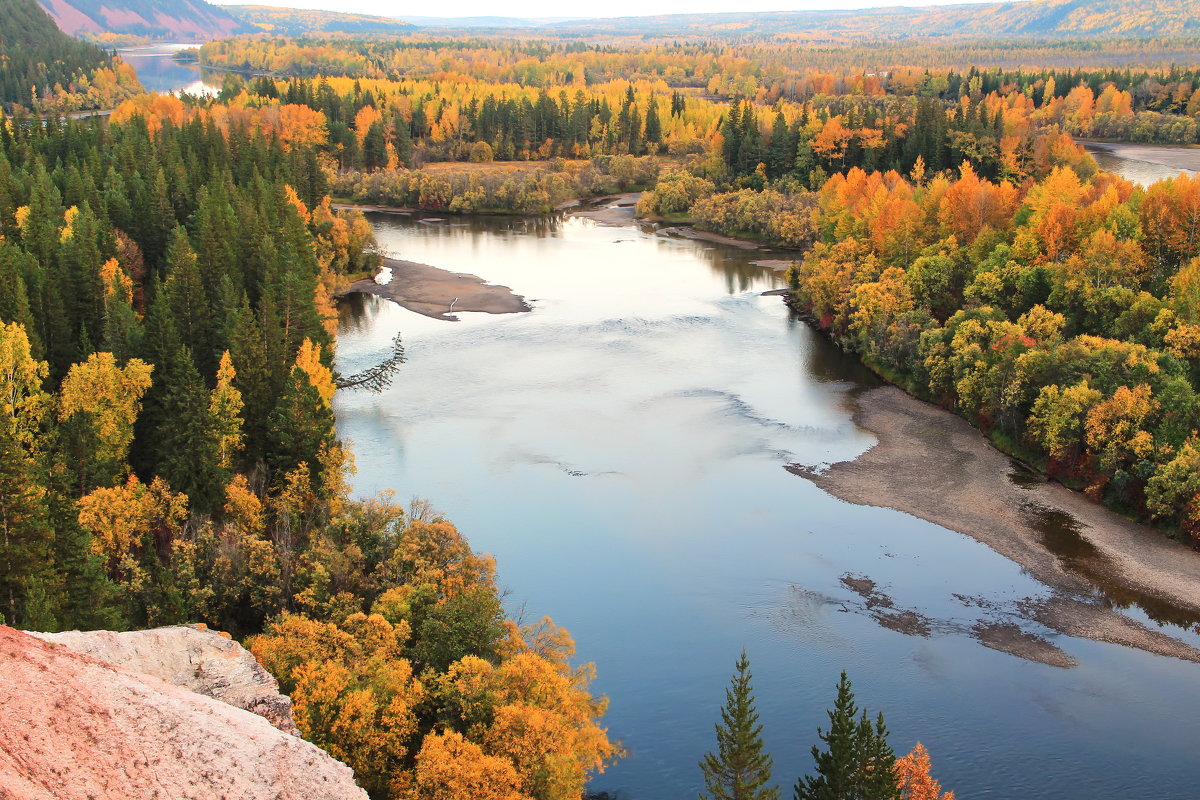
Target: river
<point x="1144" y="163"/>
<point x="621" y="451"/>
<point x="158" y="70"/>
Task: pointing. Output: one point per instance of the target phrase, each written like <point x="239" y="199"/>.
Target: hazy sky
<point x="557" y="8"/>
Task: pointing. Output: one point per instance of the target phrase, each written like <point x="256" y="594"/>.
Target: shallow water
<point x="620" y="449"/>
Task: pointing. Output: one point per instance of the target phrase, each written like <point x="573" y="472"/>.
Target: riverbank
<point x="934" y="465"/>
<point x="688" y="232"/>
<point x="439" y="293"/>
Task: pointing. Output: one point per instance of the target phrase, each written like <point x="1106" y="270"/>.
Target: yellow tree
<point x="449" y="767"/>
<point x="119" y="518"/>
<point x="226" y="407"/>
<point x="23" y="404"/>
<point x="109" y="398"/>
<point x="1115" y="427"/>
<point x="1056" y="421"/>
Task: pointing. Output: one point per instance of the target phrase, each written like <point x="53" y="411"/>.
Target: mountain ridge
<point x="176" y="20"/>
<point x="304" y="22"/>
<point x="1017" y="19"/>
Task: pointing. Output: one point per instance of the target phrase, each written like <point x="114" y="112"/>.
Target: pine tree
<point x="653" y="135"/>
<point x="25" y="533"/>
<point x="858" y="763"/>
<point x="740" y="769"/>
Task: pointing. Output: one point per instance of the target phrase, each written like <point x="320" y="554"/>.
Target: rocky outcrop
<point x="191" y="656"/>
<point x="76" y="727"/>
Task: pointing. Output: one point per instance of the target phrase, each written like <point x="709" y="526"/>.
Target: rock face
<point x="194" y="658"/>
<point x="76" y="727"/>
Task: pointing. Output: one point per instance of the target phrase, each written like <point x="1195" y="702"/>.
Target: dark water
<point x="621" y="450"/>
<point x="160" y="72"/>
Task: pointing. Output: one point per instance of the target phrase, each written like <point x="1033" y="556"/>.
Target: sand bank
<point x="934" y="465"/>
<point x="438" y="293"/>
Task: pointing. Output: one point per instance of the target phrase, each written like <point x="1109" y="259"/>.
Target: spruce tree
<point x="740" y="769"/>
<point x="25" y="533"/>
<point x="858" y="763"/>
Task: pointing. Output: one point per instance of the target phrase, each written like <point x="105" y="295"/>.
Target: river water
<point x="621" y="451"/>
<point x="1144" y="164"/>
<point x="158" y="70"/>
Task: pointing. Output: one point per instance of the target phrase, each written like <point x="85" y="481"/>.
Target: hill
<point x="303" y="22"/>
<point x="38" y="56"/>
<point x="1050" y="19"/>
<point x="176" y="20"/>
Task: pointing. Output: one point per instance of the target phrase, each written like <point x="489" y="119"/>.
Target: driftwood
<point x="376" y="378"/>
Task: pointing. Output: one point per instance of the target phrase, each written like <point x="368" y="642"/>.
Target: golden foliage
<point x="120" y="517"/>
<point x="110" y="396"/>
<point x="915" y="781"/>
<point x="23" y="404"/>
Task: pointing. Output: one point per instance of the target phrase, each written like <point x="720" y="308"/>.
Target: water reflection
<point x="158" y="70"/>
<point x="1062" y="535"/>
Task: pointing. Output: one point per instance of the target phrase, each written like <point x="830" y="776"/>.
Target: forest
<point x="42" y="69"/>
<point x="168" y="275"/>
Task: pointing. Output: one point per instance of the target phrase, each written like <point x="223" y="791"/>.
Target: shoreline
<point x="932" y="464"/>
<point x="438" y="293"/>
<point x="688" y="232"/>
<point x="1181" y="156"/>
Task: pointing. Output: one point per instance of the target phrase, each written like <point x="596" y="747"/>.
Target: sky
<point x="555" y="8"/>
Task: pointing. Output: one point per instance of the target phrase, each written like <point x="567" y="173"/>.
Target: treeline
<point x="1061" y="316"/>
<point x="475" y="188"/>
<point x="730" y="68"/>
<point x="756" y="186"/>
<point x="1154" y="105"/>
<point x="168" y="455"/>
<point x="373" y="124"/>
<point x="376" y="124"/>
<point x="43" y="68"/>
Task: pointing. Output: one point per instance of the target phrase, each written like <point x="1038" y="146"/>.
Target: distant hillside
<point x="36" y="54"/>
<point x="175" y="20"/>
<point x="297" y="22"/>
<point x="487" y="22"/>
<point x="1034" y="19"/>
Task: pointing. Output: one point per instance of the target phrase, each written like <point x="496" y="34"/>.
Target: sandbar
<point x="934" y="465"/>
<point x="439" y="293"/>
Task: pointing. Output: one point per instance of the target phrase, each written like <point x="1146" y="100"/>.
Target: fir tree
<point x="653" y="135"/>
<point x="858" y="763"/>
<point x="740" y="769"/>
<point x="25" y="533"/>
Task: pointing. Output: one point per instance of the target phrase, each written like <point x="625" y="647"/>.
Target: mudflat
<point x="934" y="465"/>
<point x="439" y="293"/>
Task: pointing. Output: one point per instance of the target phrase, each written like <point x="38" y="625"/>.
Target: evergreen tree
<point x="653" y="135"/>
<point x="25" y="533"/>
<point x="858" y="763"/>
<point x="740" y="769"/>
